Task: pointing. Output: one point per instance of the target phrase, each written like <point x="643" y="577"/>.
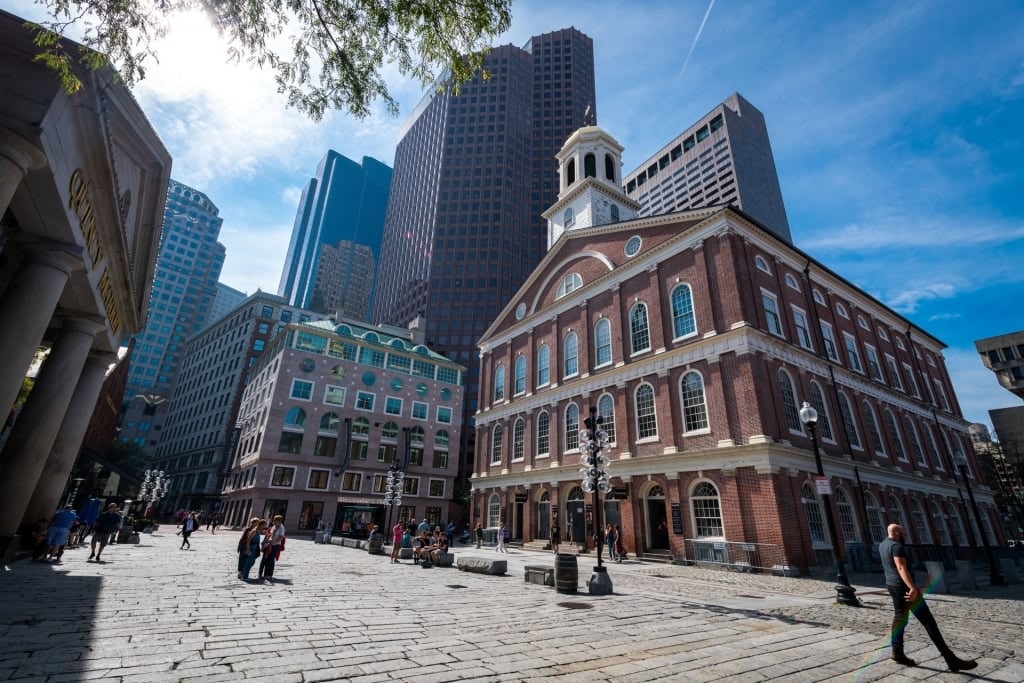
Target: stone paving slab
<point x="152" y="614"/>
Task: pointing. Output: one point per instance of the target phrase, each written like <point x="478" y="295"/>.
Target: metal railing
<point x="734" y="555"/>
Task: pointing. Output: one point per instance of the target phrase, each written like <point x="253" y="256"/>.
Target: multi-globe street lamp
<point x="393" y="494"/>
<point x="994" y="576"/>
<point x="845" y="593"/>
<point x="594" y="470"/>
<point x="154" y="486"/>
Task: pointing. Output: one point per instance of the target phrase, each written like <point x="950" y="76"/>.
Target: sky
<point x="897" y="131"/>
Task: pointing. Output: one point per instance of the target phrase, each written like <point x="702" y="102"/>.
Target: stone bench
<point x="482" y="565"/>
<point x="405" y="553"/>
<point x="539" y="574"/>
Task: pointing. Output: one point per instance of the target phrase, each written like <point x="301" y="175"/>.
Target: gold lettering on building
<point x="81" y="204"/>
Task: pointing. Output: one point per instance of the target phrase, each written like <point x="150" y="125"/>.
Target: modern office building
<point x="346" y="201"/>
<point x="82" y="184"/>
<point x="184" y="289"/>
<point x="225" y="301"/>
<point x="697" y="336"/>
<point x="1004" y="355"/>
<point x="344" y="280"/>
<point x="473" y="173"/>
<point x="724" y="158"/>
<point x="330" y="409"/>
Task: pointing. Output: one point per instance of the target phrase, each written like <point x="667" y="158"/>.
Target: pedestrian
<point x="275" y="541"/>
<point x="107" y="526"/>
<point x="215" y="522"/>
<point x="502" y="539"/>
<point x="57" y="534"/>
<point x="39" y="544"/>
<point x="424" y="527"/>
<point x="449" y="533"/>
<point x="479" y="532"/>
<point x="250" y="547"/>
<point x="609" y="540"/>
<point x="620" y="547"/>
<point x="397" y="532"/>
<point x="555" y="537"/>
<point x="190" y="524"/>
<point x="907" y="598"/>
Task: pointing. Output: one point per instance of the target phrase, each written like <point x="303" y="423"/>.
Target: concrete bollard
<point x="936" y="577"/>
<point x="1008" y="569"/>
<point x="965" y="573"/>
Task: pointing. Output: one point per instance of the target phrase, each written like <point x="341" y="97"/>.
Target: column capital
<point x="62" y="256"/>
<point x="80" y="322"/>
<point x="21" y="149"/>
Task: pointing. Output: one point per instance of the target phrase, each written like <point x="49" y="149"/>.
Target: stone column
<point x="18" y="154"/>
<point x="27" y="305"/>
<point x="33" y="435"/>
<point x="66" y="446"/>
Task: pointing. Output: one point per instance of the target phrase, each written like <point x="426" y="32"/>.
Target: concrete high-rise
<point x="345" y="201"/>
<point x="225" y="301"/>
<point x="344" y="280"/>
<point x="724" y="158"/>
<point x="184" y="288"/>
<point x="473" y="174"/>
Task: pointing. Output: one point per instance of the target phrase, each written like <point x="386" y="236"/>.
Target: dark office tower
<point x="724" y="158"/>
<point x="184" y="290"/>
<point x="344" y="280"/>
<point x="345" y="201"/>
<point x="473" y="174"/>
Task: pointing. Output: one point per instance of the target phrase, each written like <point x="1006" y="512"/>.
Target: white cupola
<point x="590" y="184"/>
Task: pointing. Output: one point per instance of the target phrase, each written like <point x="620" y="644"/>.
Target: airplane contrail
<point x="697" y="37"/>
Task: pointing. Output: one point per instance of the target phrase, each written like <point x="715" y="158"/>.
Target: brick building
<point x="697" y="336"/>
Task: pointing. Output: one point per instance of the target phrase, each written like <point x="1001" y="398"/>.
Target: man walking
<point x="57" y="534"/>
<point x="907" y="598"/>
<point x="190" y="525"/>
<point x="107" y="526"/>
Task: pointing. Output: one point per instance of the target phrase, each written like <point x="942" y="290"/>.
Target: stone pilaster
<point x="18" y="154"/>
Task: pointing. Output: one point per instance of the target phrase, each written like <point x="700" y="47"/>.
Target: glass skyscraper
<point x="473" y="173"/>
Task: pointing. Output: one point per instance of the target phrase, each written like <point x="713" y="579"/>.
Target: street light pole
<point x="994" y="577"/>
<point x="845" y="593"/>
<point x="595" y="480"/>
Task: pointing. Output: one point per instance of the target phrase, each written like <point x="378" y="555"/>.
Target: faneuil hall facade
<point x="698" y="336"/>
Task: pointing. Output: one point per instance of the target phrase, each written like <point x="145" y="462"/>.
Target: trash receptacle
<point x="319" y="536"/>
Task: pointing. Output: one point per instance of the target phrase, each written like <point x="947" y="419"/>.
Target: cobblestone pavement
<point x="153" y="612"/>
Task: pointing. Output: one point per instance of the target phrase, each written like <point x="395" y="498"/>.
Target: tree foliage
<point x="338" y="48"/>
<point x="127" y="455"/>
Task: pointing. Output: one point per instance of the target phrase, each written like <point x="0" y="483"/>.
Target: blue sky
<point x="897" y="129"/>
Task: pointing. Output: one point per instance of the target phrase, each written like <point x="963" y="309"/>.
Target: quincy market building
<point x="698" y="335"/>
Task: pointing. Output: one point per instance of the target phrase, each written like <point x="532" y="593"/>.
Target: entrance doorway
<point x="544" y="517"/>
<point x="657" y="520"/>
<point x="576" y="518"/>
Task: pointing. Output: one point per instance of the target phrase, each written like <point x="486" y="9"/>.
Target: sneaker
<point x="961" y="664"/>
<point x="901" y="658"/>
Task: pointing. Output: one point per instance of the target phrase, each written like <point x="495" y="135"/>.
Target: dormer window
<point x="590" y="166"/>
<point x="570" y="172"/>
<point x="615" y="212"/>
<point x="609" y="167"/>
<point x="762" y="264"/>
<point x="571" y="283"/>
<point x="568" y="218"/>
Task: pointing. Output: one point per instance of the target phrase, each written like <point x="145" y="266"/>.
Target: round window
<point x="633" y="246"/>
<point x="338" y="372"/>
<point x="369" y="378"/>
<point x="520" y="311"/>
<point x="421" y="389"/>
<point x="396" y="384"/>
<point x="446" y="394"/>
<point x="307" y="365"/>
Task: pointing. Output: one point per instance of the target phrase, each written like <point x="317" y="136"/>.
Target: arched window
<point x="520" y="380"/>
<point x="848" y="422"/>
<point x="791" y="282"/>
<point x="441" y="439"/>
<point x="915" y="443"/>
<point x="789" y="402"/>
<point x="606" y="409"/>
<point x="568" y="219"/>
<point x="494" y="511"/>
<point x="874" y="436"/>
<point x="570" y="172"/>
<point x="639" y="332"/>
<point x="939" y="523"/>
<point x="499" y="382"/>
<point x="518" y="438"/>
<point x="570" y="283"/>
<point x="417" y="437"/>
<point x="957" y="525"/>
<point x="329" y="423"/>
<point x="602" y="342"/>
<point x="920" y="522"/>
<point x="824" y="426"/>
<point x="543" y="366"/>
<point x="847" y="520"/>
<point x="589" y="165"/>
<point x="876" y="527"/>
<point x="572" y="427"/>
<point x="695" y="412"/>
<point x="543" y="434"/>
<point x="571" y="365"/>
<point x="295" y="417"/>
<point x="896" y="514"/>
<point x="496" y="438"/>
<point x="615" y="213"/>
<point x="360" y="427"/>
<point x="761" y="264"/>
<point x="933" y="447"/>
<point x="684" y="323"/>
<point x="707" y="513"/>
<point x="646" y="419"/>
<point x="609" y="167"/>
<point x="894" y="434"/>
<point x="812" y="507"/>
<point x="390" y="431"/>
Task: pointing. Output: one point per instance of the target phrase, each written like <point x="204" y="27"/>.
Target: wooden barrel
<point x="566" y="574"/>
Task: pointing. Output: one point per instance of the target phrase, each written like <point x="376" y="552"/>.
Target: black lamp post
<point x="393" y="494"/>
<point x="994" y="577"/>
<point x="594" y="471"/>
<point x="845" y="593"/>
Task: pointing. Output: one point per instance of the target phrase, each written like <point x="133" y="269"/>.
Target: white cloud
<point x="291" y="195"/>
<point x="907" y="300"/>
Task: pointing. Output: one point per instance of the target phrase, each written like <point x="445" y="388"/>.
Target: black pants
<point x="901" y="616"/>
<point x="184" y="538"/>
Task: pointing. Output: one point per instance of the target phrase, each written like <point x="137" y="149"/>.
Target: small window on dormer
<point x="882" y="334"/>
<point x="615" y="212"/>
<point x="862" y="322"/>
<point x="899" y="344"/>
<point x="841" y="310"/>
<point x="762" y="264"/>
<point x="609" y="167"/>
<point x="571" y="283"/>
<point x="818" y="298"/>
<point x="791" y="282"/>
<point x="568" y="218"/>
<point x="589" y="166"/>
<point x="570" y="172"/>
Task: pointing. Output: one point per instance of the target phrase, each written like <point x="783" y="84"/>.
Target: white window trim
<point x="807" y="327"/>
<point x="272" y="485"/>
<point x="344" y="394"/>
<point x="401" y="405"/>
<point x="437" y="414"/>
<point x="310" y="474"/>
<point x="445" y="488"/>
<point x="366" y="393"/>
<point x="855" y="362"/>
<point x="426" y="412"/>
<point x="774" y="298"/>
<point x="312" y="390"/>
